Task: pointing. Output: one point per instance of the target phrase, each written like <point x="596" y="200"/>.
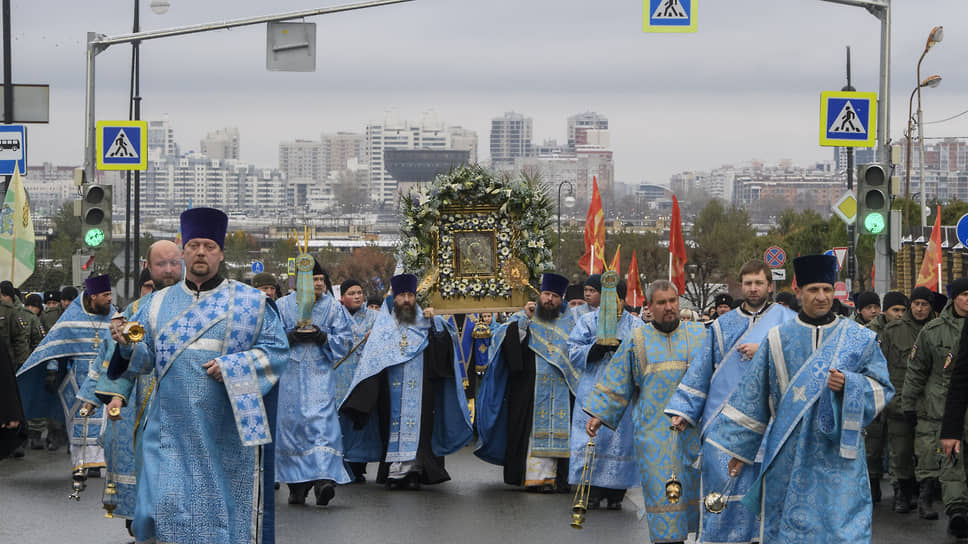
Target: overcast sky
<point x="746" y="85"/>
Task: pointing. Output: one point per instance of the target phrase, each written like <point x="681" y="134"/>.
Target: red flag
<point x="593" y="261"/>
<point x="677" y="249"/>
<point x="633" y="292"/>
<point x="616" y="263"/>
<point x="929" y="275"/>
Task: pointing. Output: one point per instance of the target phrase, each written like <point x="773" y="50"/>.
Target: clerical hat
<point x="97" y="285"/>
<point x="403" y="283"/>
<point x="207" y="223"/>
<point x="815" y="269"/>
<point x="555" y="283"/>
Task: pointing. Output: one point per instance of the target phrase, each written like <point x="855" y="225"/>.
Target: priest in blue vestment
<point x="51" y="377"/>
<point x="122" y="431"/>
<point x="642" y="376"/>
<point x="614" y="469"/>
<point x="363" y="444"/>
<point x="217" y="347"/>
<point x="718" y="368"/>
<point x="409" y="379"/>
<point x="475" y="344"/>
<point x="820" y="379"/>
<point x="309" y="444"/>
<point x="524" y="403"/>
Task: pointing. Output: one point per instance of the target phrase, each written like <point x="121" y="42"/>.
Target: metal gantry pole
<point x="882" y="246"/>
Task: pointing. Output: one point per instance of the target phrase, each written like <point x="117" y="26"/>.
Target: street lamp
<point x="936" y="35"/>
<point x="569" y="202"/>
<point x="930" y="81"/>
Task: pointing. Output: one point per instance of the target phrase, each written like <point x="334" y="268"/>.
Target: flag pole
<point x="593" y="260"/>
<point x="13" y="237"/>
<point x="670" y="264"/>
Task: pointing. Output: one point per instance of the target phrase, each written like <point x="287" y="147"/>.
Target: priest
<point x="409" y="378"/>
<point x="524" y="403"/>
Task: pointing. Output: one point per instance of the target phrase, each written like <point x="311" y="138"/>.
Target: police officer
<point x="925" y="386"/>
<point x="897" y="339"/>
<point x="52" y="309"/>
<point x="894" y="305"/>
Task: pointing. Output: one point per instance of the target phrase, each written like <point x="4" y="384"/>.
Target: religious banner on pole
<point x="677" y="249"/>
<point x="593" y="261"/>
<point x="633" y="293"/>
<point x="16" y="234"/>
<point x="616" y="263"/>
<point x="930" y="274"/>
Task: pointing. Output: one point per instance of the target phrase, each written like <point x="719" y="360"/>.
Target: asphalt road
<point x="475" y="507"/>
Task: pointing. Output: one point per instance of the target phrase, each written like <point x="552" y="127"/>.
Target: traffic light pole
<point x="851" y="227"/>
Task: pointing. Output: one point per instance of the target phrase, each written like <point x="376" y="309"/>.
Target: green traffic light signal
<point x="94" y="237"/>
<point x="874" y="222"/>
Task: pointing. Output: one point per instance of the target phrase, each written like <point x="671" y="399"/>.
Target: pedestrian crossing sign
<point x="848" y="119"/>
<point x="122" y="145"/>
<point x="669" y="15"/>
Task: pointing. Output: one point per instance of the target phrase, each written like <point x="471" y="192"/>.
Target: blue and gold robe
<point x="358" y="445"/>
<point x="201" y="479"/>
<point x="516" y="419"/>
<point x="68" y="348"/>
<point x="120" y="438"/>
<point x="813" y="484"/>
<point x="614" y="465"/>
<point x="712" y="376"/>
<point x="309" y="444"/>
<point x="645" y="372"/>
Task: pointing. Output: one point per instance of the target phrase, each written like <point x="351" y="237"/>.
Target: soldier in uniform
<point x="925" y="386"/>
<point x="894" y="305"/>
<point x="12" y="325"/>
<point x="52" y="309"/>
<point x="868" y="306"/>
<point x="897" y="340"/>
<point x="31" y="309"/>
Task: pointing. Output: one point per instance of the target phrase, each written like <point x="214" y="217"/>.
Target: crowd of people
<point x="204" y="395"/>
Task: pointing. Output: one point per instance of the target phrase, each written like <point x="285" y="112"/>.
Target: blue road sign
<point x="669" y="16"/>
<point x="13" y="149"/>
<point x="848" y="119"/>
<point x="257" y="267"/>
<point x="833" y="254"/>
<point x="962" y="230"/>
<point x="122" y="145"/>
<point x="774" y="257"/>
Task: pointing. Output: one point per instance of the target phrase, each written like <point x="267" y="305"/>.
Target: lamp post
<point x="930" y="81"/>
<point x="569" y="202"/>
<point x="937" y="34"/>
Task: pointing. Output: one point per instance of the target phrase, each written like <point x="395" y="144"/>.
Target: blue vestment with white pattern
<point x="614" y="465"/>
<point x="813" y="484"/>
<point x="644" y="372"/>
<point x="309" y="443"/>
<point x="201" y="480"/>
<point x="364" y="444"/>
<point x="68" y="348"/>
<point x="715" y="372"/>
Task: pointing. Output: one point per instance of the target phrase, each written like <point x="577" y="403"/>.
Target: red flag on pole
<point x="593" y="261"/>
<point x="930" y="275"/>
<point x="633" y="292"/>
<point x="677" y="249"/>
<point x="616" y="263"/>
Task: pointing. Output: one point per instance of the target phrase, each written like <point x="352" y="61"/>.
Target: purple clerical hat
<point x="554" y="283"/>
<point x="207" y="223"/>
<point x="97" y="285"/>
<point x="403" y="283"/>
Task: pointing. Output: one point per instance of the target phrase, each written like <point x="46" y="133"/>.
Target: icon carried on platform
<point x="122" y="145"/>
<point x="848" y="119"/>
<point x="669" y="16"/>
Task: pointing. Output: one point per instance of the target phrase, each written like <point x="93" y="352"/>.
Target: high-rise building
<point x="161" y="139"/>
<point x="579" y="123"/>
<point x="510" y="139"/>
<point x="463" y="139"/>
<point x="221" y="144"/>
<point x="339" y="148"/>
<point x="302" y="159"/>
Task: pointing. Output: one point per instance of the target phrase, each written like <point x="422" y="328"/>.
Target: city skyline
<point x="673" y="102"/>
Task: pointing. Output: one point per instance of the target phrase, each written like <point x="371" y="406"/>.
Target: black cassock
<point x="520" y="398"/>
<point x="10" y="407"/>
<point x="373" y="394"/>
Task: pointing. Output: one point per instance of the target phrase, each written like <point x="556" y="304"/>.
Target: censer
<point x="715" y="503"/>
<point x="109" y="499"/>
<point x="673" y="486"/>
<point x="79" y="476"/>
<point x="133" y="332"/>
<point x="580" y="506"/>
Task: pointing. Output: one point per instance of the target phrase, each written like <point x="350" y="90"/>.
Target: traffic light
<point x="96" y="215"/>
<point x="873" y="198"/>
